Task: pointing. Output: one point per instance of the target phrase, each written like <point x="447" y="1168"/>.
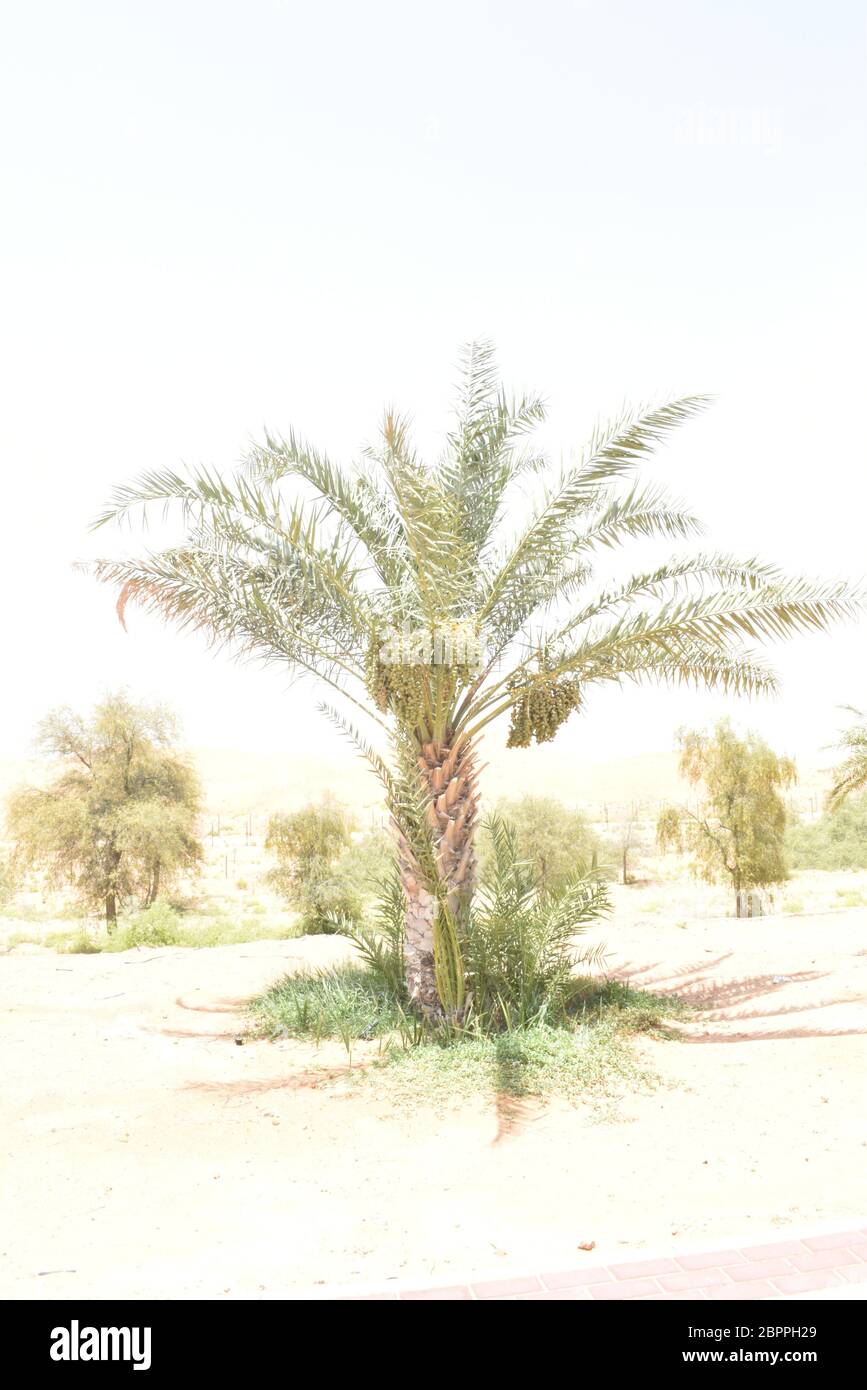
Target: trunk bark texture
<point x="449" y="773"/>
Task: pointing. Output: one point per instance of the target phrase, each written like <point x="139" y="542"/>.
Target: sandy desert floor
<point x="145" y="1154"/>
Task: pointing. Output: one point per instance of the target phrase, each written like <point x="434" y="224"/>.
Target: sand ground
<point x="146" y="1154"/>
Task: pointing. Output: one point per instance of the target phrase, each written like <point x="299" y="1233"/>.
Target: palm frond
<point x="346" y="496"/>
<point x="613" y="452"/>
<point x="850" y="776"/>
<point x="482" y="456"/>
<point x="437" y="551"/>
<point x="644" y="511"/>
<point x="755" y="610"/>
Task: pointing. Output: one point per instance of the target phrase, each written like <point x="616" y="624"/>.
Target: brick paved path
<point x="786" y="1268"/>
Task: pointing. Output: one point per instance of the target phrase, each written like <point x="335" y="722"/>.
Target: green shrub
<point x="157" y="925"/>
<point x="83" y="944"/>
<point x="315" y="834"/>
<point x="348" y="1003"/>
<point x="321" y="871"/>
<point x="552" y="838"/>
<point x="368" y="862"/>
<point x="588" y="1052"/>
<point x="326" y="900"/>
<point x="837" y="840"/>
<point x="851" y="897"/>
<point x="518" y="944"/>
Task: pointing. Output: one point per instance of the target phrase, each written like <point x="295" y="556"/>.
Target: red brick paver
<point x="779" y="1269"/>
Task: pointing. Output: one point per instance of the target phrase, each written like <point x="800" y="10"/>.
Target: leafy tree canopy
<point x="309" y="845"/>
<point x="313" y="835"/>
<point x="119" y="818"/>
<point x="738" y="832"/>
<point x="553" y="839"/>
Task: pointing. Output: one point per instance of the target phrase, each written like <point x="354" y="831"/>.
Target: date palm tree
<point x="441" y="597"/>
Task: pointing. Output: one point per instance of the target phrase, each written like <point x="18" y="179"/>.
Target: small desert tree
<point x="118" y="820"/>
<point x="737" y="833"/>
<point x="307" y="845"/>
<point x="550" y="837"/>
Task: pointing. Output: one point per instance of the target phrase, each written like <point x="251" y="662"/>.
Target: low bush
<point x="83" y="944"/>
<point x="552" y="838"/>
<point x="157" y="925"/>
<point x="348" y="1003"/>
<point x="323" y="903"/>
<point x="192" y="930"/>
<point x="322" y="871"/>
<point x="837" y="840"/>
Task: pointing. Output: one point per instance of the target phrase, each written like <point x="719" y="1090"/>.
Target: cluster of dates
<point x="541" y="707"/>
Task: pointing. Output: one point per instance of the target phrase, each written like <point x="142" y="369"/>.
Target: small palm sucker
<point x="449" y="774"/>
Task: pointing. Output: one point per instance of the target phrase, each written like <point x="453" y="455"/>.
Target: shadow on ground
<point x="717" y="1001"/>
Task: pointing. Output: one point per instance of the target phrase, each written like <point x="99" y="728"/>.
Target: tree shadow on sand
<point x="221" y="1006"/>
<point x="717" y="1001"/>
<point x="313" y="1079"/>
<point x="514" y="1101"/>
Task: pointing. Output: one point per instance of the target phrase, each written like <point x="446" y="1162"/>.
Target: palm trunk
<point x="110" y="912"/>
<point x="418" y="947"/>
<point x="449" y="774"/>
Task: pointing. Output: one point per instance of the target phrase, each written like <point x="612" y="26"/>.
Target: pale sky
<point x="219" y="215"/>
